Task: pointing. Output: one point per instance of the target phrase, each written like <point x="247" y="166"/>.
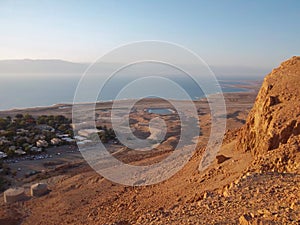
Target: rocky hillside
<point x="272" y="130"/>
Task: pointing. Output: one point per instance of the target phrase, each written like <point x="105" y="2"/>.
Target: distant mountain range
<point x="28" y="66"/>
<point x="54" y="66"/>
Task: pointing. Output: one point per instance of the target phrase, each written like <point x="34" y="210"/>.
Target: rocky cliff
<point x="272" y="130"/>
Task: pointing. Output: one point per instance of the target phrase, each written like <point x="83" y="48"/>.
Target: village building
<point x="2" y="155"/>
<point x="55" y="141"/>
<point x="79" y="138"/>
<point x="42" y="143"/>
<point x="45" y="127"/>
<point x="35" y="149"/>
<point x="20" y="152"/>
<point x="88" y="132"/>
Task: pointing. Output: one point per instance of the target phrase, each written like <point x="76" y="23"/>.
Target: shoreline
<point x="70" y="105"/>
<point x="66" y="108"/>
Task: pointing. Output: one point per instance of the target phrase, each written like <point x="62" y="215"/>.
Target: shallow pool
<point x="161" y="111"/>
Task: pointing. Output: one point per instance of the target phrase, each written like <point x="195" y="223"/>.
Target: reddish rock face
<point x="274" y="121"/>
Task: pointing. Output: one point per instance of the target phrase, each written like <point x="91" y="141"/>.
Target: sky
<point x="256" y="33"/>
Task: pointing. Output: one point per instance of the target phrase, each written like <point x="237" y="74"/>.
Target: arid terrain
<point x="253" y="180"/>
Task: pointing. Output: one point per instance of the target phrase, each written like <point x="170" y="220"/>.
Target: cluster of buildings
<point x="32" y="144"/>
<point x="34" y="138"/>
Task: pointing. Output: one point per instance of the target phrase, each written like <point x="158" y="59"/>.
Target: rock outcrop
<point x="272" y="130"/>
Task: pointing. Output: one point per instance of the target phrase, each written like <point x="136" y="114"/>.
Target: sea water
<point x="22" y="91"/>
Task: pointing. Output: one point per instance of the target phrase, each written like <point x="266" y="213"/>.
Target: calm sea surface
<point x="29" y="91"/>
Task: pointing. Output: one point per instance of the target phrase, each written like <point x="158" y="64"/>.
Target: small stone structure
<point x="14" y="194"/>
<point x="38" y="189"/>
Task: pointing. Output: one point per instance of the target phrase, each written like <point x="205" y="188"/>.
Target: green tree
<point x="103" y="137"/>
<point x="63" y="127"/>
<point x="27" y="116"/>
<point x="9" y="134"/>
<point x="42" y="119"/>
<point x="19" y="116"/>
<point x="3" y="123"/>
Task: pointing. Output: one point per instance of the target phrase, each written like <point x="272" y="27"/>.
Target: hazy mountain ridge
<point x="49" y="66"/>
<point x="27" y="66"/>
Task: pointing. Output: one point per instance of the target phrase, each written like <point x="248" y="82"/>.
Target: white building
<point x="88" y="132"/>
<point x="42" y="143"/>
<point x="67" y="139"/>
<point x="45" y="127"/>
<point x="12" y="148"/>
<point x="55" y="141"/>
<point x="20" y="152"/>
<point x="84" y="142"/>
<point x="2" y="155"/>
<point x="79" y="138"/>
<point x="35" y="149"/>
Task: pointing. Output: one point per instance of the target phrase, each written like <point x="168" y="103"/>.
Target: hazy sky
<point x="257" y="33"/>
